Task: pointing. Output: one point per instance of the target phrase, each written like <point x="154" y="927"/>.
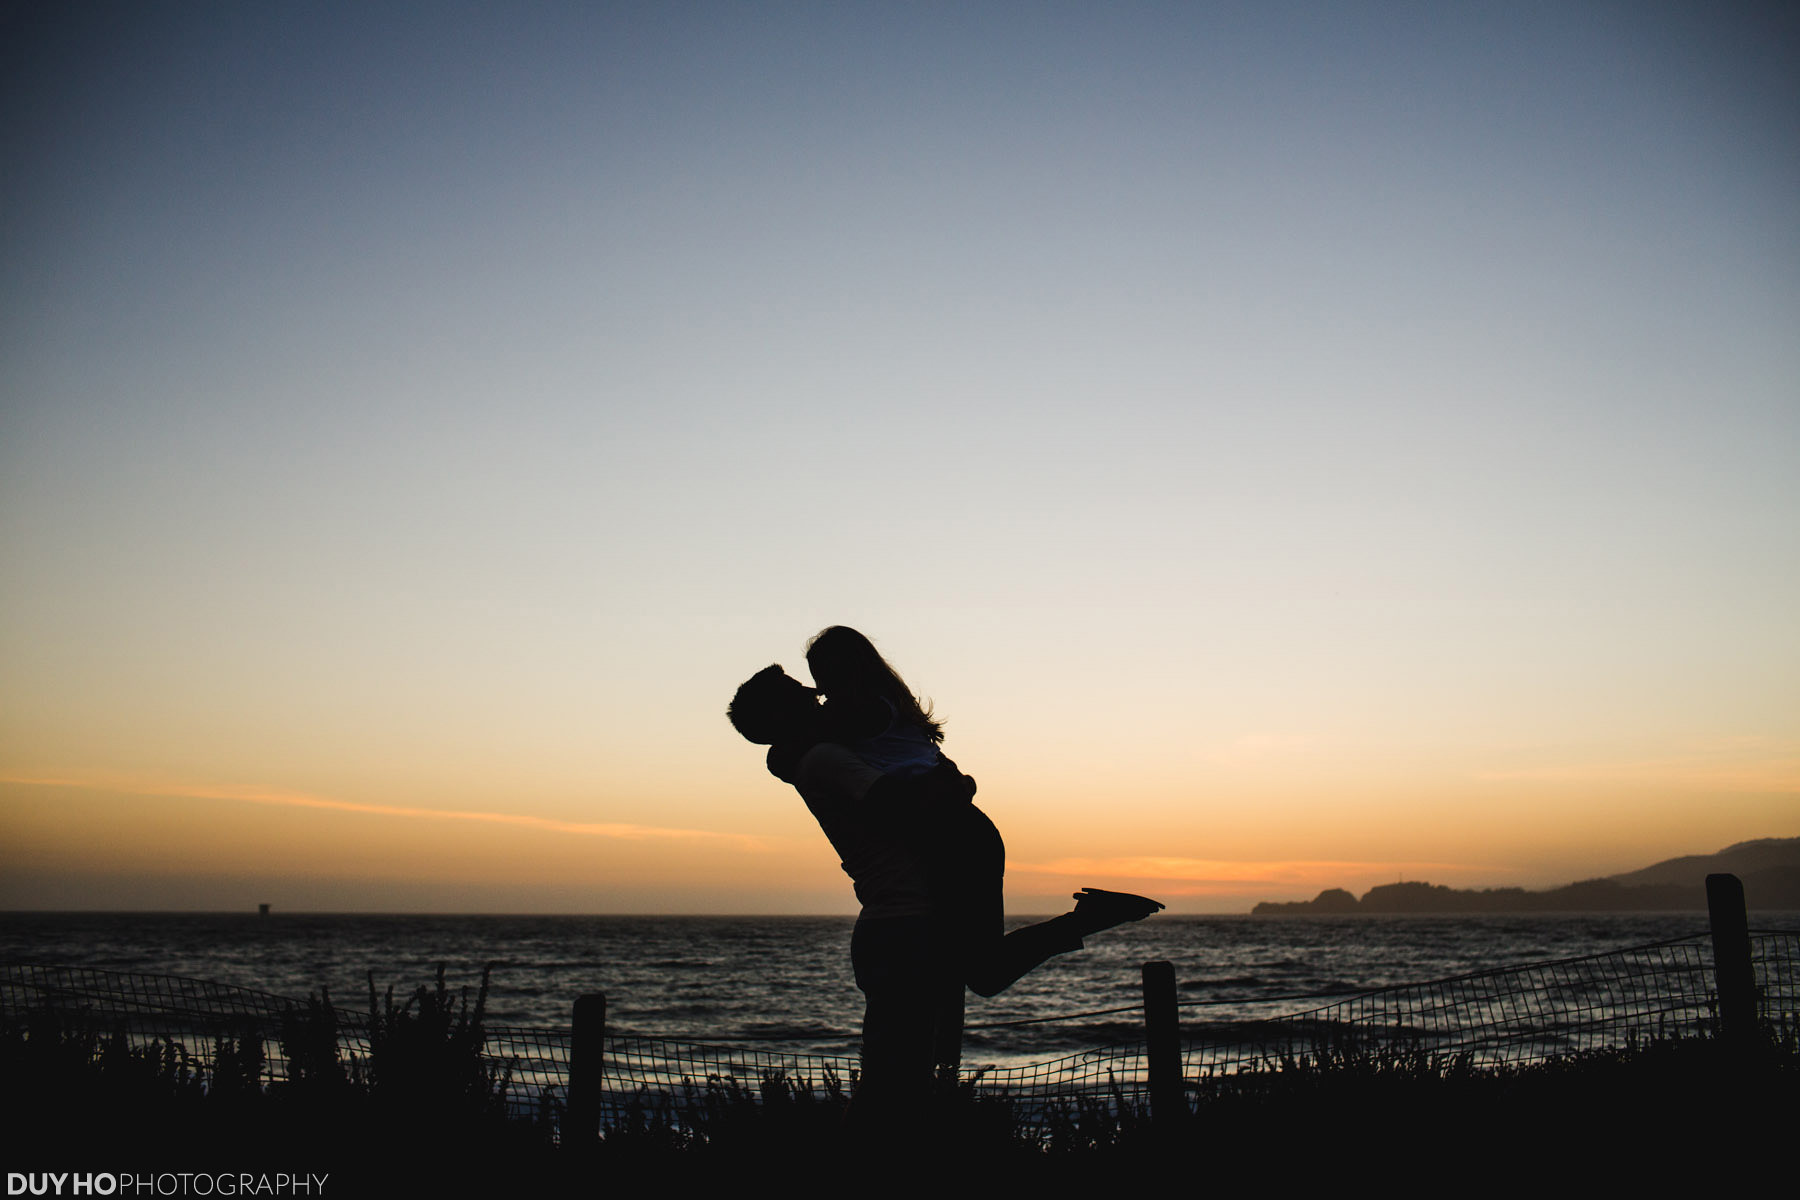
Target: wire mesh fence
<point x="1506" y="1017"/>
<point x="1498" y="1018"/>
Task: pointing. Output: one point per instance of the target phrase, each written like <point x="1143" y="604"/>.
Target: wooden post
<point x="1162" y="1040"/>
<point x="587" y="1067"/>
<point x="1732" y="973"/>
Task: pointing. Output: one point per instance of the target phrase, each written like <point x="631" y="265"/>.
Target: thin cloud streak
<point x="623" y="832"/>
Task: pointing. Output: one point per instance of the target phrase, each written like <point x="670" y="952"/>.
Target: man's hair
<point x="763" y="706"/>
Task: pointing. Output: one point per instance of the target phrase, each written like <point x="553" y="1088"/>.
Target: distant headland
<point x="1769" y="868"/>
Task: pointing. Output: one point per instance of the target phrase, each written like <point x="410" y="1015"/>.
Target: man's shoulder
<point x="827" y="758"/>
<point x="834" y="770"/>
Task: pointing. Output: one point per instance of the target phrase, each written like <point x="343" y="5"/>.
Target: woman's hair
<point x="845" y="666"/>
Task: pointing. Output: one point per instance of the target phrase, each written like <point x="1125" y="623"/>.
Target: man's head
<point x="772" y="707"/>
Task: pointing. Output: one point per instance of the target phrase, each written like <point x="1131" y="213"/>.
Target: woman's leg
<point x="992" y="959"/>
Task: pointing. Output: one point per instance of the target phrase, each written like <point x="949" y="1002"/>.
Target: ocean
<point x="786" y="980"/>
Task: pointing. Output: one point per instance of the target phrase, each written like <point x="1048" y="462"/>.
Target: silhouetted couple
<point x="927" y="864"/>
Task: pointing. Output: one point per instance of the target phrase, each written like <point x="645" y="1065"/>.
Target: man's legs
<point x="896" y="965"/>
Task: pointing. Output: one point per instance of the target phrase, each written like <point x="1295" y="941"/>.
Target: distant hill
<point x="1743" y="859"/>
<point x="1768" y="867"/>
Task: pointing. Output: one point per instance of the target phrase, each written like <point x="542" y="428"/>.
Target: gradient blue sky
<point x="1295" y="444"/>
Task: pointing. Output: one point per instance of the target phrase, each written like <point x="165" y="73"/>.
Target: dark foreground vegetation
<point x="424" y="1108"/>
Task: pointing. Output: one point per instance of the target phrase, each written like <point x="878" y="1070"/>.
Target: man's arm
<point x="903" y="803"/>
<point x="907" y="799"/>
<point x="827" y="769"/>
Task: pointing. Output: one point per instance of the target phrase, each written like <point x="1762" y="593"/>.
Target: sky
<point x="1293" y="445"/>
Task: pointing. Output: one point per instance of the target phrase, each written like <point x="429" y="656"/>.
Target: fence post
<point x="1732" y="973"/>
<point x="1162" y="1040"/>
<point x="587" y="1065"/>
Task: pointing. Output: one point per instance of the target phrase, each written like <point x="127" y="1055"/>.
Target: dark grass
<point x="426" y="1108"/>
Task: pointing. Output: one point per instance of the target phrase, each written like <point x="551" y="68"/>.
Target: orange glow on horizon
<point x="1223" y="877"/>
